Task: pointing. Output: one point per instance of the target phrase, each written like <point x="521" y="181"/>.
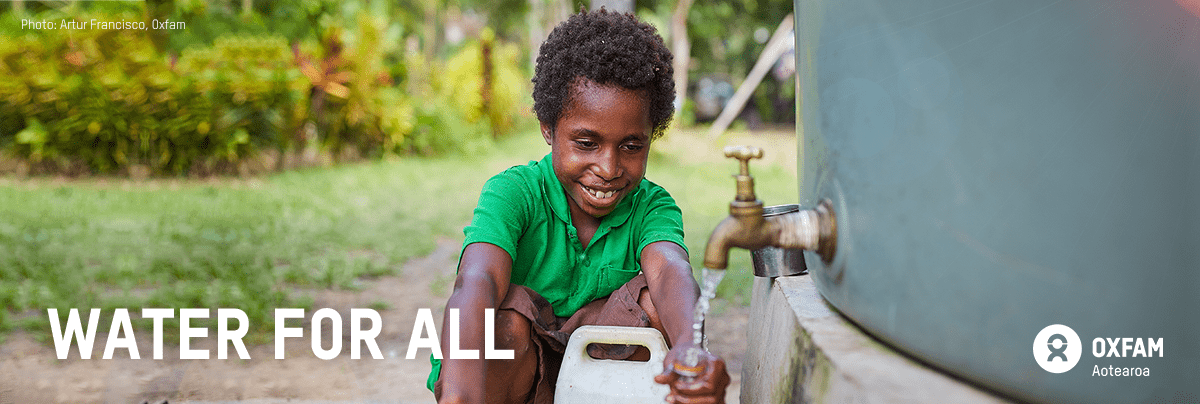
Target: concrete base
<point x="802" y="351"/>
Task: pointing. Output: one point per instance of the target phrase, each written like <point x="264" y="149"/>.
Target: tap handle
<point x="744" y="154"/>
<point x="745" y="183"/>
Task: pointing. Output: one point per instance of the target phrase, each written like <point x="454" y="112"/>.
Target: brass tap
<point x="809" y="229"/>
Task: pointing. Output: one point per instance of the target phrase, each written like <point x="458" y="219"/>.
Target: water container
<point x="586" y="380"/>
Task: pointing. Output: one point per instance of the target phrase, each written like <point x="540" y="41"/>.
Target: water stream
<point x="709" y="279"/>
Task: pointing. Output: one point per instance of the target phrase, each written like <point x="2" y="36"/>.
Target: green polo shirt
<point x="524" y="211"/>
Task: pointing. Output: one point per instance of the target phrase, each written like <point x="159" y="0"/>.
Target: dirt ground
<point x="30" y="372"/>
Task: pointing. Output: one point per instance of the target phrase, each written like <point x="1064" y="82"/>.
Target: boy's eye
<point x="633" y="146"/>
<point x="586" y="144"/>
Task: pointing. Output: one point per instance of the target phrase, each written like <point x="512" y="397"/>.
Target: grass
<point x="249" y="243"/>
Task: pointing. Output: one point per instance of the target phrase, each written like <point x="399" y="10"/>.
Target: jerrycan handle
<point x="650" y="338"/>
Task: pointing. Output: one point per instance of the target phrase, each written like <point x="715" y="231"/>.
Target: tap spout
<point x="809" y="229"/>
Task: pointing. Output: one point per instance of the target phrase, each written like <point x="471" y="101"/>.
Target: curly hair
<point x="609" y="49"/>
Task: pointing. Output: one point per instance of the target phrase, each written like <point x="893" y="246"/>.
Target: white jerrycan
<point x="586" y="380"/>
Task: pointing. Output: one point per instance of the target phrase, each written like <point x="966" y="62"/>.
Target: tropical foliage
<point x="128" y="102"/>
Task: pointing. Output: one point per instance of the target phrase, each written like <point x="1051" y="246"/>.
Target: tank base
<point x="802" y="351"/>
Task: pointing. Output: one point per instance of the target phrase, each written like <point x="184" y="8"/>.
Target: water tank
<point x="998" y="167"/>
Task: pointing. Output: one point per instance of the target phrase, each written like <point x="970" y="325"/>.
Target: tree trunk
<point x="485" y="92"/>
<point x="775" y="48"/>
<point x="535" y="19"/>
<point x="247" y="8"/>
<point x="431" y="32"/>
<point x="682" y="50"/>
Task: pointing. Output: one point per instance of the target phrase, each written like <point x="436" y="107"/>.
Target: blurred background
<point x="244" y="86"/>
<point x="312" y="153"/>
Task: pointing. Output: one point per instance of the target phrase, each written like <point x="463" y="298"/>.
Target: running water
<point x="708" y="288"/>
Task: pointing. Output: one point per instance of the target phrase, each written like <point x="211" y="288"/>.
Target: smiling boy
<point x="579" y="237"/>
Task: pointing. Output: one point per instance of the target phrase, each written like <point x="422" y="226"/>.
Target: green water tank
<point x="998" y="167"/>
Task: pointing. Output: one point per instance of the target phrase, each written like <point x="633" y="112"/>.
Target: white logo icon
<point x="1057" y="348"/>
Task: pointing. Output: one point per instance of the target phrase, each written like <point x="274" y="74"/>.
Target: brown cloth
<point x="552" y="332"/>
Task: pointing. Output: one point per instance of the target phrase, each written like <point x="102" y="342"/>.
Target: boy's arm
<point x="673" y="292"/>
<point x="672" y="288"/>
<point x="482" y="282"/>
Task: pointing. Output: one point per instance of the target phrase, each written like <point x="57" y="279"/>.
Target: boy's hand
<point x="707" y="388"/>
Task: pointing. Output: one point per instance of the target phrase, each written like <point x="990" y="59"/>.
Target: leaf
<point x="241" y="136"/>
<point x="337" y="90"/>
<point x="33" y="134"/>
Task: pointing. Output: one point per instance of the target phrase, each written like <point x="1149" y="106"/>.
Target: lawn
<point x="261" y="243"/>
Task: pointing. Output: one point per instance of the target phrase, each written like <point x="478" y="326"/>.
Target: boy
<point x="559" y="243"/>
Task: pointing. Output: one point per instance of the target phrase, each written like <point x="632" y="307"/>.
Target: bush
<point x="105" y="101"/>
<point x="466" y="73"/>
<point x="108" y="102"/>
<point x="256" y="98"/>
<point x="358" y="105"/>
<point x="439" y="128"/>
<point x="454" y="118"/>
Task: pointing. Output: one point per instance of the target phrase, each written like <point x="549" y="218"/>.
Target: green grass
<point x="251" y="243"/>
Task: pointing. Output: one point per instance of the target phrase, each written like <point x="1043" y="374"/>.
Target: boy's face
<point x="600" y="145"/>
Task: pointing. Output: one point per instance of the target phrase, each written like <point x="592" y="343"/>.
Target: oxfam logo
<point x="1057" y="348"/>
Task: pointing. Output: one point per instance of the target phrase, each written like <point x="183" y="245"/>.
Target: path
<point x="30" y="373"/>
